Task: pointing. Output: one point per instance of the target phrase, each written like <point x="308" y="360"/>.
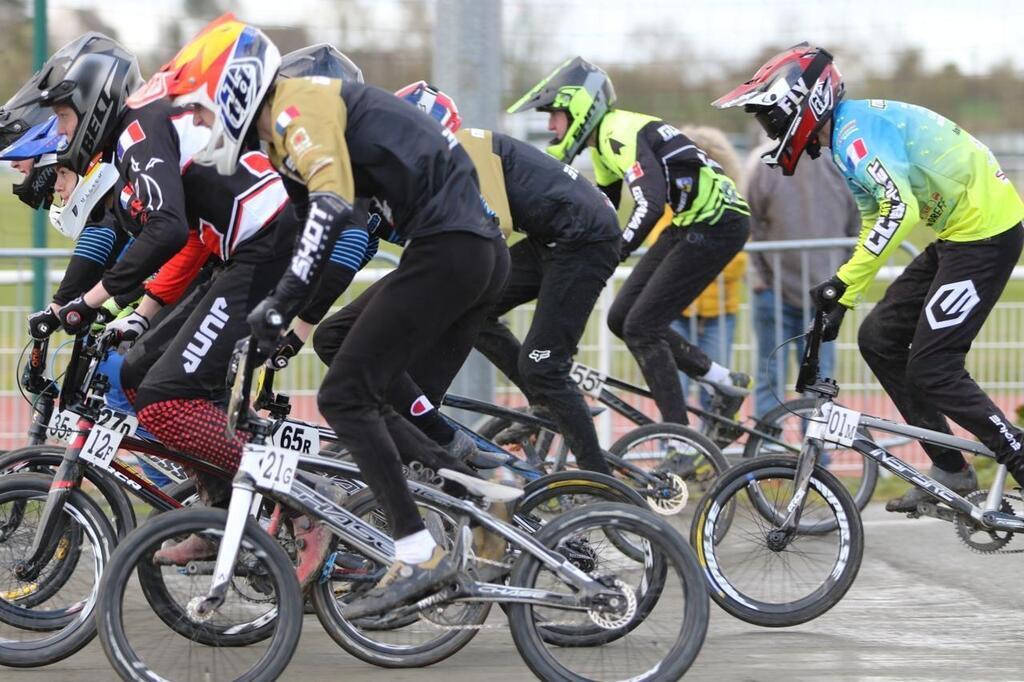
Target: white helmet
<point x="71" y="218"/>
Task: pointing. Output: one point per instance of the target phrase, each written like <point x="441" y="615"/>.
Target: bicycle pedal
<point x="936" y="512"/>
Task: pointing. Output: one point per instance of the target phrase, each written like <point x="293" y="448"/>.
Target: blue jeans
<point x="771" y="374"/>
<point x="714" y="337"/>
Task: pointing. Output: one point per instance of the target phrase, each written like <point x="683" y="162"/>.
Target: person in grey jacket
<point x="813" y="203"/>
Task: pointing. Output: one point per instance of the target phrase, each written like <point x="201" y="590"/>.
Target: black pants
<point x="566" y="282"/>
<point x="680" y="265"/>
<point x="917" y="337"/>
<point x="429" y="308"/>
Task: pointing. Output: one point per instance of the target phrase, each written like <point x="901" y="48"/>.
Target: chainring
<point x="977" y="537"/>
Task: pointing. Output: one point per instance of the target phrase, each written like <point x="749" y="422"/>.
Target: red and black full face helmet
<point x="792" y="96"/>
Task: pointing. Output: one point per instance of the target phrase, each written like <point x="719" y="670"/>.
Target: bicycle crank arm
<point x="935" y="511"/>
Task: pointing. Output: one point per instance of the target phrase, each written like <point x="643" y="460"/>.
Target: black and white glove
<point x="130" y="327"/>
<point x="42" y="324"/>
<point x="833" y="320"/>
<point x="267" y="323"/>
<point x="826" y="295"/>
<point x="287" y="348"/>
<point x="77" y="316"/>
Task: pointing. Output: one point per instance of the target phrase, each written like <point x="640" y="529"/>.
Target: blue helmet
<point x="40" y="142"/>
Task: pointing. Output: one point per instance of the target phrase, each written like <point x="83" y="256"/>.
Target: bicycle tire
<point x="70" y="628"/>
<point x="141" y="542"/>
<point x="528" y="632"/>
<point x="838" y="578"/>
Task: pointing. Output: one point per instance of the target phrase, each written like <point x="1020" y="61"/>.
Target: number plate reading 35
<point x="271" y="467"/>
<point x="589" y="380"/>
<point x="101" y="446"/>
<point x="840" y="426"/>
<point x="62" y="425"/>
<point x="301" y="438"/>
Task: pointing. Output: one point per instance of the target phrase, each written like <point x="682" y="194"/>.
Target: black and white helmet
<point x="95" y="86"/>
<point x="322" y="59"/>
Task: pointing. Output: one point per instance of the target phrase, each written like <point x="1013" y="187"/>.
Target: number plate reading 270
<point x="589" y="380"/>
<point x="840" y="425"/>
<point x="271" y="467"/>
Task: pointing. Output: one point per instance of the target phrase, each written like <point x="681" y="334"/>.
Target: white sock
<point x="718" y="374"/>
<point x="415" y="548"/>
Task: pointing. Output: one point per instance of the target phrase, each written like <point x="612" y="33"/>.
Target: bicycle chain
<point x="979" y="550"/>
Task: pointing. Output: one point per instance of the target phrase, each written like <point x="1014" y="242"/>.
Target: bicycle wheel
<point x="107" y="494"/>
<point x="657" y="641"/>
<point x="140" y="646"/>
<point x="417" y="641"/>
<point x="686" y="462"/>
<point x="33" y="632"/>
<point x="757" y="573"/>
<point x="788" y="423"/>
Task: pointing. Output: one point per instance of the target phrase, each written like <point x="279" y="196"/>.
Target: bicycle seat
<point x="494" y="492"/>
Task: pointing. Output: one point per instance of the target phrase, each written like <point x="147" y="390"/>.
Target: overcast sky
<point x="973" y="34"/>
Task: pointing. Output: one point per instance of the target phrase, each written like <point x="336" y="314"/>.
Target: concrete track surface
<point x="922" y="608"/>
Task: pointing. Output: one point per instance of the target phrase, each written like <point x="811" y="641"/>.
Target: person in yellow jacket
<point x="711" y="319"/>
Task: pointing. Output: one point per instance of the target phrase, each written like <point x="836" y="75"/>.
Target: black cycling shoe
<point x="729" y="397"/>
<point x="464" y="450"/>
<point x="403" y="584"/>
<point x="517" y="432"/>
<point x="960" y="482"/>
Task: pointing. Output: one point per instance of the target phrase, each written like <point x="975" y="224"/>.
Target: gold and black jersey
<point x="354" y="140"/>
<point x="535" y="194"/>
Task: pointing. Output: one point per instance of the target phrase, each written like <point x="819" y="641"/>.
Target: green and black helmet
<point x="578" y="88"/>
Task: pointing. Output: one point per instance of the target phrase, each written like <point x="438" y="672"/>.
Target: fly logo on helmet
<point x="236" y="93"/>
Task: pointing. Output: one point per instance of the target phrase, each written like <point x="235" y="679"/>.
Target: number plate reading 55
<point x="271" y="467"/>
<point x="589" y="380"/>
<point x="840" y="425"/>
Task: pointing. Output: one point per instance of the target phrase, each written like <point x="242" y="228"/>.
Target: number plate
<point x="62" y="425"/>
<point x="271" y="467"/>
<point x="303" y="439"/>
<point x="122" y="422"/>
<point x="588" y="379"/>
<point x="840" y="425"/>
<point x="101" y="446"/>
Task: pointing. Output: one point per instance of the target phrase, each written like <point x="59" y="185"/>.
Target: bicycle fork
<point x="243" y="493"/>
<point x="806" y="461"/>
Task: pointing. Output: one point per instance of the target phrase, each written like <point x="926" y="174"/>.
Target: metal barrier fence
<point x="995" y="360"/>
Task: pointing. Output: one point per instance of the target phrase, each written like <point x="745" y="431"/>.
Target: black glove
<point x="826" y="295"/>
<point x="77" y="316"/>
<point x="833" y="320"/>
<point x="287" y="348"/>
<point x="266" y="323"/>
<point x="624" y="251"/>
<point x="42" y="324"/>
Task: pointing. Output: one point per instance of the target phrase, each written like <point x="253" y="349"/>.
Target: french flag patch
<point x="284" y="118"/>
<point x="126" y="196"/>
<point x="131" y="135"/>
<point x="635" y="172"/>
<point x="856" y="152"/>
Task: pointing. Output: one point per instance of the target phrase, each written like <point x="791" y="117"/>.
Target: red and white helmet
<point x="792" y="96"/>
<point x="430" y="100"/>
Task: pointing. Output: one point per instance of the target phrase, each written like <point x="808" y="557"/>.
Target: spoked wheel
<point x="788" y="423"/>
<point x="684" y="461"/>
<point x="761" y="574"/>
<point x="264" y="589"/>
<point x="652" y="630"/>
<point x="50" y="617"/>
<point x="414" y="642"/>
